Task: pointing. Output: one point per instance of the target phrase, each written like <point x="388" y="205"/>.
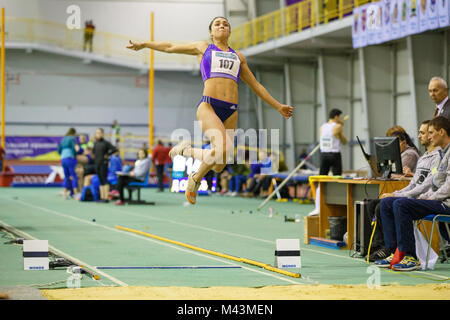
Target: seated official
<point x="420" y="183"/>
<point x="137" y="174"/>
<point x="398" y="214"/>
<point x="409" y="158"/>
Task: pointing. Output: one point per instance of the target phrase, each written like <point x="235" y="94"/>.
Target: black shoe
<point x="380" y="254"/>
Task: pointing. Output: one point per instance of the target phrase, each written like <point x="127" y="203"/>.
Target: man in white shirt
<point x="437" y="88"/>
<point x="331" y="137"/>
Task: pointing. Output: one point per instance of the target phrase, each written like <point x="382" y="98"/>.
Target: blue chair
<point x="436" y="218"/>
<point x="132" y="186"/>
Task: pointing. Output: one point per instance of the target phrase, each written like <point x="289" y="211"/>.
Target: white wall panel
<point x="92" y="93"/>
<point x="173" y="20"/>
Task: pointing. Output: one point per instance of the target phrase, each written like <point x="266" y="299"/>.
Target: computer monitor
<point x="387" y="150"/>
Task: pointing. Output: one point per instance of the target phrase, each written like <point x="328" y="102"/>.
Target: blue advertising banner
<point x="443" y="13"/>
<point x="355" y="27"/>
<point x="386" y="27"/>
<point x="413" y="17"/>
<point x="432" y="14"/>
<point x="387" y="20"/>
<point x="379" y="22"/>
<point x="423" y="16"/>
<point x="363" y="26"/>
<point x="373" y="23"/>
<point x="32" y="148"/>
<point x="395" y="19"/>
<point x="404" y="18"/>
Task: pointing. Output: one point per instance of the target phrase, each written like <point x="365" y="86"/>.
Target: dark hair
<point x="403" y="136"/>
<point x="439" y="123"/>
<point x="212" y="21"/>
<point x="399" y="134"/>
<point x="333" y="113"/>
<point x="71" y="132"/>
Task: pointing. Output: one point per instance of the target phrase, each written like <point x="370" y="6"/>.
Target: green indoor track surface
<point x="230" y="225"/>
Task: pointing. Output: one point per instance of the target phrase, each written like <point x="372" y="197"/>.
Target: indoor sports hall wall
<point x="55" y="92"/>
<point x="173" y="19"/>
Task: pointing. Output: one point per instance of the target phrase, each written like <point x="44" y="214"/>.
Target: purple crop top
<point x="220" y="64"/>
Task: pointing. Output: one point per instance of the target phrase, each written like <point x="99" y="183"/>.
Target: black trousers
<point x="160" y="175"/>
<point x="260" y="184"/>
<point x="123" y="182"/>
<point x="330" y="160"/>
<point x="101" y="168"/>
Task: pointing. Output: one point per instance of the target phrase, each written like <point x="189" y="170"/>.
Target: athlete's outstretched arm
<point x="248" y="77"/>
<point x="194" y="48"/>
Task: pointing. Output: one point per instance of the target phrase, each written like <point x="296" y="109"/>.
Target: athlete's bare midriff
<point x="222" y="88"/>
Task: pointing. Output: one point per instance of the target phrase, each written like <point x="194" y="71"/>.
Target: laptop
<point x="371" y="160"/>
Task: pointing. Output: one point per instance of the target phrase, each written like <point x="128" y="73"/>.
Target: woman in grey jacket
<point x="138" y="174"/>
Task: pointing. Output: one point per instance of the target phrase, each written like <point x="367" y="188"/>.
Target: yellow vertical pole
<point x="151" y="78"/>
<point x="3" y="141"/>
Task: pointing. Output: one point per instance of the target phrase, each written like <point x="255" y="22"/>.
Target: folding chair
<point x="132" y="186"/>
<point x="435" y="218"/>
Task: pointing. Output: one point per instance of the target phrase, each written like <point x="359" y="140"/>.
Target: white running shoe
<point x="191" y="189"/>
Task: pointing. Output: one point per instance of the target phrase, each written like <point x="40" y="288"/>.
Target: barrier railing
<point x="291" y="19"/>
<point x="107" y="44"/>
<point x="294" y="18"/>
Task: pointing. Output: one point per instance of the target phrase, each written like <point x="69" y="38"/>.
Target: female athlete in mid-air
<point x="221" y="67"/>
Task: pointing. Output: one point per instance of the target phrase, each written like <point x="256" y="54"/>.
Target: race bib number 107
<point x="225" y="62"/>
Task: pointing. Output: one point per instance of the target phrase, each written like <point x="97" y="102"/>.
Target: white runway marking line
<point x="227" y="233"/>
<point x="147" y="239"/>
<point x="62" y="253"/>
